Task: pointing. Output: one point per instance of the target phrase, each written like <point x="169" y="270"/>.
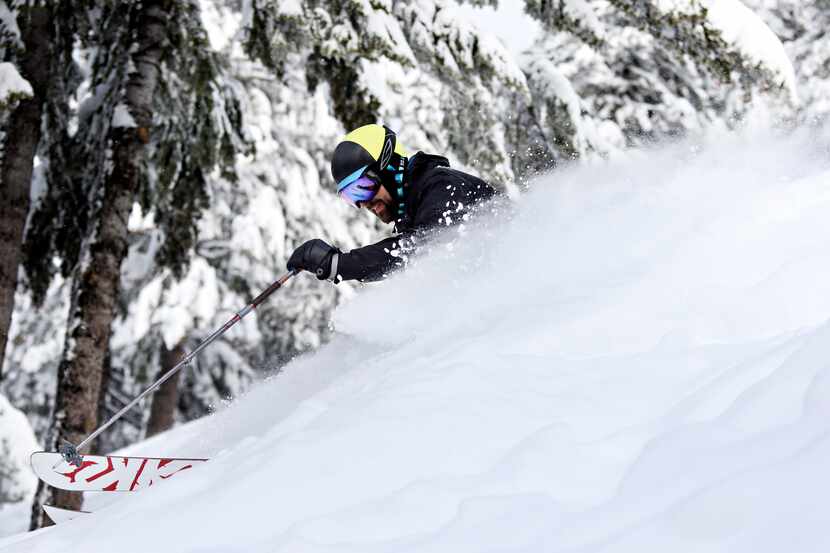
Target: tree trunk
<point x="22" y="137"/>
<point x="96" y="282"/>
<point x="163" y="409"/>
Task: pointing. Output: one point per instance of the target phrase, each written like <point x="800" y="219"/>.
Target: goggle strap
<point x="351" y="178"/>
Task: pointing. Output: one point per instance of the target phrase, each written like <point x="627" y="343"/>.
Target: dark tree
<point x="97" y="275"/>
<point x="19" y="148"/>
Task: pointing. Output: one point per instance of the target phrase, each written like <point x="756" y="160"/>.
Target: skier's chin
<point x="385" y="214"/>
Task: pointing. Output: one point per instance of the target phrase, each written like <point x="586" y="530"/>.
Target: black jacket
<point x="434" y="196"/>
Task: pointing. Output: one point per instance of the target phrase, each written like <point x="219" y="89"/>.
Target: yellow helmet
<point x="369" y="147"/>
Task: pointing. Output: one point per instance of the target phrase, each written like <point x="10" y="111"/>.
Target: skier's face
<point x="381" y="205"/>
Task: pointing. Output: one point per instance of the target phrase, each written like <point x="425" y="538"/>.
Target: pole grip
<point x="271" y="289"/>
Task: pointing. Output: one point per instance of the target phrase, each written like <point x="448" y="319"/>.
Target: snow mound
<point x="17" y="481"/>
<point x="13" y="87"/>
<point x="636" y="359"/>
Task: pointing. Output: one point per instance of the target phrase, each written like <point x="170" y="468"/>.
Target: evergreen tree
<point x="481" y="82"/>
<point x="8" y="475"/>
<point x="639" y="72"/>
<point x="128" y="44"/>
<point x="276" y="200"/>
<point x="96" y="276"/>
<point x="803" y="28"/>
<point x="353" y="46"/>
<point x="35" y="347"/>
<point x="25" y="39"/>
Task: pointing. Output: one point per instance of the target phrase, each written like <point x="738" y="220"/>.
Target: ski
<point x="58" y="515"/>
<point x="110" y="473"/>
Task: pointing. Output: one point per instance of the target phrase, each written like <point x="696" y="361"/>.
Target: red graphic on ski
<point x="107" y="473"/>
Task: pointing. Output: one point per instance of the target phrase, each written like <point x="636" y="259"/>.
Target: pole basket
<point x="70" y="454"/>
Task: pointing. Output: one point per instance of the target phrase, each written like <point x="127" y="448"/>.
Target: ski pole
<point x="71" y="453"/>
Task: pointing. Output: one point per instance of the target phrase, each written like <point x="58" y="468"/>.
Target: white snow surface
<point x="635" y="360"/>
<point x="122" y="117"/>
<point x="508" y="23"/>
<point x="12" y="85"/>
<point x="581" y="12"/>
<point x="17" y="441"/>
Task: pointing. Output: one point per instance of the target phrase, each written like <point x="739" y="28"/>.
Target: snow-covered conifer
<point x="129" y="49"/>
<point x="659" y="71"/>
<point x="433" y="75"/>
<point x="480" y="82"/>
<point x="576" y="17"/>
<point x="282" y="196"/>
<point x="803" y="28"/>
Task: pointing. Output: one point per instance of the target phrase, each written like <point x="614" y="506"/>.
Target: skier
<point x="417" y="193"/>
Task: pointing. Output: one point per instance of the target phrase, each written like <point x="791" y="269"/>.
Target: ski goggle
<point x="360" y="186"/>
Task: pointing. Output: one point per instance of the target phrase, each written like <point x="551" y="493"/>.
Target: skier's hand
<point x="314" y="256"/>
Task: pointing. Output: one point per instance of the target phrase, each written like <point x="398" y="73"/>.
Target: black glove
<point x="315" y="256"/>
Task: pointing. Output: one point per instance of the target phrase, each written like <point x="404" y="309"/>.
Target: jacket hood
<point x="420" y="163"/>
<point x="406" y="184"/>
<point x="418" y="167"/>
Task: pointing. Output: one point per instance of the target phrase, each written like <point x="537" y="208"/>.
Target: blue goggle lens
<point x="362" y="189"/>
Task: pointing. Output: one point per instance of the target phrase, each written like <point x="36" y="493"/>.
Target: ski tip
<point x="34" y="454"/>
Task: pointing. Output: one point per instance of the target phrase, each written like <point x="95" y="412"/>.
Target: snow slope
<point x="639" y="361"/>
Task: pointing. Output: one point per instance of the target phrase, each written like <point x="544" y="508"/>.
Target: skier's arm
<point x="368" y="263"/>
